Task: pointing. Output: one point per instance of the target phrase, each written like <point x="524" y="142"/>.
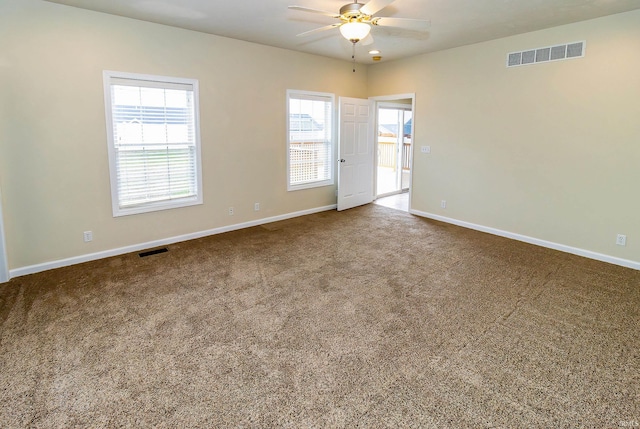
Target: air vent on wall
<point x="549" y="53"/>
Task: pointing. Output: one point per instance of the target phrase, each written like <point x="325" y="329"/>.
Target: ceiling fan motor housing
<point x="351" y="10"/>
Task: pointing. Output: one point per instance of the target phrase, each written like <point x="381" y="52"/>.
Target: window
<point x="310" y="139"/>
<point x="154" y="142"/>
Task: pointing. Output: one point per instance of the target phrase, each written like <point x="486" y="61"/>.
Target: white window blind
<point x="154" y="142"/>
<point x="310" y="139"/>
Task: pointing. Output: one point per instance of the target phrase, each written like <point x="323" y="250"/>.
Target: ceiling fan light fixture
<point x="355" y="31"/>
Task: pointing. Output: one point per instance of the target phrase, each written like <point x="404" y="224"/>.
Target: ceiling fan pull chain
<point x="353" y="56"/>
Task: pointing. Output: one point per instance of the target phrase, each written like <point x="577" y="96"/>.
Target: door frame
<point x="4" y="266"/>
<point x="390" y="99"/>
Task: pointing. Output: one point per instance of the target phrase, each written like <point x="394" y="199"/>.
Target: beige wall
<point x="550" y="151"/>
<point x="53" y="153"/>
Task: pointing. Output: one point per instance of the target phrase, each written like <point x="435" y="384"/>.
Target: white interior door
<point x="4" y="266"/>
<point x="355" y="165"/>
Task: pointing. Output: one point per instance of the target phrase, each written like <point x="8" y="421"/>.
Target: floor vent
<point x="153" y="252"/>
<point x="546" y="54"/>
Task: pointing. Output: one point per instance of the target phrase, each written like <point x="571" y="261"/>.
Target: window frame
<point x="299" y="94"/>
<point x="157" y="82"/>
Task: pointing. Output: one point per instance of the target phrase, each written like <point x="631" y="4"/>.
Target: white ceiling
<point x="270" y="22"/>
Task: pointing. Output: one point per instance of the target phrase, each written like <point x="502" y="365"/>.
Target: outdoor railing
<point x="406" y="156"/>
<point x="387" y="155"/>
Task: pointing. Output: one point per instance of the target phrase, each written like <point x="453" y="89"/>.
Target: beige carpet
<point x="365" y="318"/>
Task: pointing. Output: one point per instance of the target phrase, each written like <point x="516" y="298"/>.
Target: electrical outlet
<point x="256" y="207"/>
<point x="230" y="211"/>
<point x="88" y="236"/>
<point x="425" y="149"/>
<point x="621" y="240"/>
<point x="443" y="204"/>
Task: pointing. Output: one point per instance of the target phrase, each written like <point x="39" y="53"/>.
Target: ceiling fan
<point x="357" y="19"/>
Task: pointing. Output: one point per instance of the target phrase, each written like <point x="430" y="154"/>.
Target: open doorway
<point x="394" y="139"/>
<point x="394" y="150"/>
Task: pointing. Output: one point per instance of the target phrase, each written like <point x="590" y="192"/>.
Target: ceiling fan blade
<point x="320" y="12"/>
<point x="367" y="40"/>
<point x="318" y="30"/>
<point x="375" y="5"/>
<point x="410" y="24"/>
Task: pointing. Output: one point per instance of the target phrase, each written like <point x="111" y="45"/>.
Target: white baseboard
<point x="531" y="240"/>
<point x="162" y="242"/>
<point x="31" y="269"/>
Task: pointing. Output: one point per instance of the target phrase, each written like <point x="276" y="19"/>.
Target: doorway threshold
<point x="397" y="201"/>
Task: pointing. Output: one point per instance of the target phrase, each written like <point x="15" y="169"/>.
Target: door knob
<point x="341" y="160"/>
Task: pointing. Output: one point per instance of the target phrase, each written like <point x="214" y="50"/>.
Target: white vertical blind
<point x="310" y="126"/>
<point x="154" y="142"/>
